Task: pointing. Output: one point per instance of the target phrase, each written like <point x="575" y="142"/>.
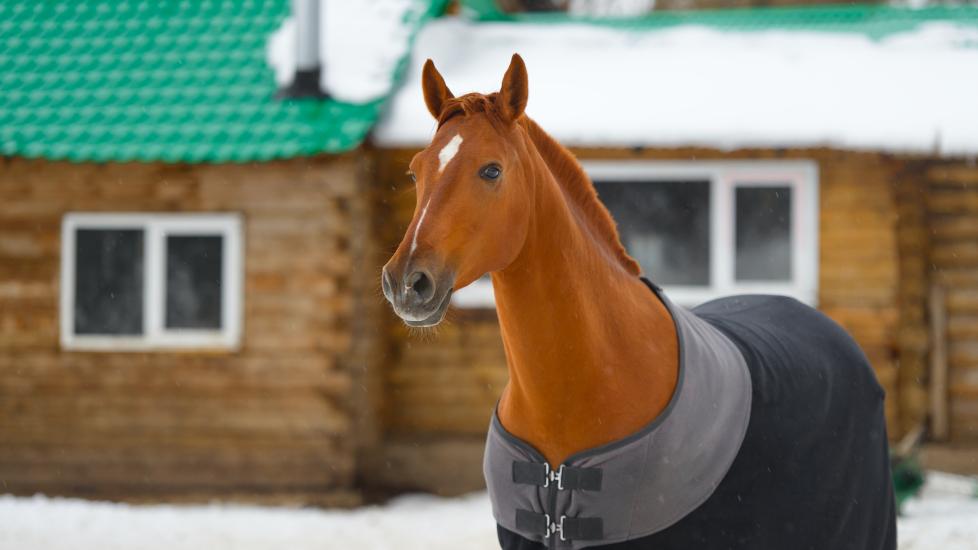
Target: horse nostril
<point x="422" y="285"/>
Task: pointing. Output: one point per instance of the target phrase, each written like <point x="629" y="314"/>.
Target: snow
<point x="946" y="517"/>
<point x="696" y="86"/>
<point x="407" y="523"/>
<point x="610" y="8"/>
<point x="361" y="44"/>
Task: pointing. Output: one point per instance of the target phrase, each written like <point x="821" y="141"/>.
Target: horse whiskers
<point x="425" y="334"/>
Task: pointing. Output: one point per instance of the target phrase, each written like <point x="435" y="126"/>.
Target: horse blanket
<point x="774" y="439"/>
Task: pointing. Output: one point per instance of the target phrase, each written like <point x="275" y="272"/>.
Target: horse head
<point x="473" y="197"/>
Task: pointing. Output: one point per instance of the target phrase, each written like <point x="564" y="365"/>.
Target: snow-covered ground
<point x="945" y="518"/>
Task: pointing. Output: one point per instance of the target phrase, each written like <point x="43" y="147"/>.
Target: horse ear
<point x="436" y="93"/>
<point x="513" y="94"/>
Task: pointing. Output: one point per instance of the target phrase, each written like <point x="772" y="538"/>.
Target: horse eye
<point x="490" y="172"/>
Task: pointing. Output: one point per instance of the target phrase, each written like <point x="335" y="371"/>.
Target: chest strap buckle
<point x="557" y="476"/>
<point x="567" y="528"/>
<point x="566" y="477"/>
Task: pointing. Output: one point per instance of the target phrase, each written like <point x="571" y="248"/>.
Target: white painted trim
<point x="154" y="275"/>
<point x="722" y="240"/>
<point x="725" y="176"/>
<point x="156" y="228"/>
<point x="803" y="181"/>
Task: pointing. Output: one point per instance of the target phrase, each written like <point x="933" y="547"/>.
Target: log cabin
<point x="194" y="210"/>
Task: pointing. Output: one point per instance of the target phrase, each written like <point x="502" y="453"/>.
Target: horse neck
<point x="592" y="354"/>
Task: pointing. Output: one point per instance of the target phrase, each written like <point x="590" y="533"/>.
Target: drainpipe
<point x="305" y="83"/>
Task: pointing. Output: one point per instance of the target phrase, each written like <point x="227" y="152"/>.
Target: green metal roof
<point x="875" y="21"/>
<point x="158" y="80"/>
<point x="187" y="80"/>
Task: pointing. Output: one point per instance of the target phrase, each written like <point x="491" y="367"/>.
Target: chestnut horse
<point x="593" y="354"/>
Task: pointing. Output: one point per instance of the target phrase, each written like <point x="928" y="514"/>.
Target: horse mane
<point x="575" y="181"/>
<point x="561" y="162"/>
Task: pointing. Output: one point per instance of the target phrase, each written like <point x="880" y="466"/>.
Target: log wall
<point x="913" y="337"/>
<point x="276" y="421"/>
<point x="952" y="218"/>
<point x="330" y="393"/>
<point x="441" y="387"/>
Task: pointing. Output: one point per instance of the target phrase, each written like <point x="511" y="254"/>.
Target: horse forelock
<point x="470" y="104"/>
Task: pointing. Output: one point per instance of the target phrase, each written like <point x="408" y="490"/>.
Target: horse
<point x="628" y="422"/>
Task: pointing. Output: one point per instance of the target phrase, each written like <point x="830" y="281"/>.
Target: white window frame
<point x="724" y="177"/>
<point x="156" y="227"/>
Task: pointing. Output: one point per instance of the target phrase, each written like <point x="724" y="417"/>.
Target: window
<point x="668" y="226"/>
<point x="708" y="229"/>
<point x="145" y="281"/>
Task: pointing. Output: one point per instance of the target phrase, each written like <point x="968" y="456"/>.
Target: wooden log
<point x="955" y="253"/>
<point x="913" y="337"/>
<point x="959" y="459"/>
<point x="964" y="376"/>
<point x="958" y="174"/>
<point x="245" y="473"/>
<point x="954" y="277"/>
<point x="939" y="427"/>
<point x="961" y="327"/>
<point x="174" y="413"/>
<point x="964" y="415"/>
<point x="955" y="228"/>
<point x="833" y="295"/>
<point x="963" y="393"/>
<point x="963" y="352"/>
<point x="64" y="439"/>
<point x="417" y="396"/>
<point x="417" y="464"/>
<point x="304" y="495"/>
<point x="953" y="202"/>
<point x="486" y="373"/>
<point x="51" y="373"/>
<point x="962" y="301"/>
<point x="455" y="419"/>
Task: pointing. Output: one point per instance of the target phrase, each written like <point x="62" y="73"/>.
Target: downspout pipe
<point x="308" y="67"/>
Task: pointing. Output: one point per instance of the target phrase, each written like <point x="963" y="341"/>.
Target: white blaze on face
<point x="417" y="228"/>
<point x="445" y="156"/>
<point x="448" y="152"/>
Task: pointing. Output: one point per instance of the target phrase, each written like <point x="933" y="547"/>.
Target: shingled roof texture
<point x="148" y="80"/>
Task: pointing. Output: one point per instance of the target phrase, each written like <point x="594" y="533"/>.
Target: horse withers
<point x="749" y="422"/>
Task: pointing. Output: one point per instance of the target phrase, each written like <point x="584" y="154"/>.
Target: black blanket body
<point x="813" y="470"/>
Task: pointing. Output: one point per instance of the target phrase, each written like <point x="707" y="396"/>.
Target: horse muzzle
<point x="418" y="298"/>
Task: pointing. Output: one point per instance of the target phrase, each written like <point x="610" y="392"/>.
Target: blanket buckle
<point x="553" y="475"/>
<point x="554" y="527"/>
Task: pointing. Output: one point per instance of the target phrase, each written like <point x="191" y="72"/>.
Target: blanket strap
<point x="567" y="528"/>
<point x="566" y="477"/>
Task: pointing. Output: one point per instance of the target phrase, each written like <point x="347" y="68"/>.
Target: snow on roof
<point x="361" y="44"/>
<point x="687" y="85"/>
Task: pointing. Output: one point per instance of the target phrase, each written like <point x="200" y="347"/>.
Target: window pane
<point x="665" y="225"/>
<point x="763" y="233"/>
<point x="193" y="281"/>
<point x="108" y="281"/>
